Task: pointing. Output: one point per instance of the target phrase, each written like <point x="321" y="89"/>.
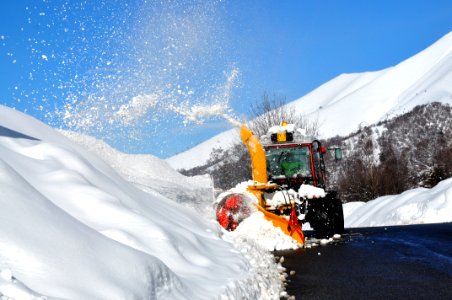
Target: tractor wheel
<point x="232" y="210"/>
<point x="338" y="216"/>
<point x="326" y="217"/>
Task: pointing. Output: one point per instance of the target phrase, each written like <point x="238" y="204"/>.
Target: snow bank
<point x="152" y="175"/>
<point x="71" y="227"/>
<point x="11" y="288"/>
<point x="255" y="238"/>
<point x="269" y="274"/>
<point x="415" y="206"/>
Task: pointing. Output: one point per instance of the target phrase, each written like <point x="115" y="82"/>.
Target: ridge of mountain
<point x="359" y="98"/>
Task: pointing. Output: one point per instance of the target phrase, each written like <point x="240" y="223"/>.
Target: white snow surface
<point x="256" y="230"/>
<point x="71" y="227"/>
<point x="343" y="104"/>
<point x="152" y="174"/>
<point x="309" y="191"/>
<point x="416" y="206"/>
<point x="280" y="128"/>
<point x="80" y="220"/>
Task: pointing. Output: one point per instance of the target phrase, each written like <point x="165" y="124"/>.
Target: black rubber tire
<point x="337" y="216"/>
<point x="326" y="217"/>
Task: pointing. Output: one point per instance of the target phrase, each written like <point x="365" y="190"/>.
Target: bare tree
<point x="272" y="110"/>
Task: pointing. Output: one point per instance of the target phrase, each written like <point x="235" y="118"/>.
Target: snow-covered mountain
<point x="349" y="101"/>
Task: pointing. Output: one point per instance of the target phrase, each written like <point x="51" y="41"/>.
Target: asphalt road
<point x="402" y="262"/>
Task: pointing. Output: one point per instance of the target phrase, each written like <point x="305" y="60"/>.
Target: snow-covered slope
<point x="199" y="155"/>
<point x="349" y="101"/>
<point x="416" y="206"/>
<point x="152" y="174"/>
<point x="72" y="228"/>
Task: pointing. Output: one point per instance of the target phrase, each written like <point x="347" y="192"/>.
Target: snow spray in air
<point x="196" y="111"/>
<point x="130" y="70"/>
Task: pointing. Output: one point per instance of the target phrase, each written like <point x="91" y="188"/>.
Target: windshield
<point x="288" y="162"/>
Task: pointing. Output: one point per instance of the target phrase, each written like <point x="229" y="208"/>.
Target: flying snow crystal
<point x="227" y="96"/>
<point x="232" y="78"/>
<point x="120" y="69"/>
<point x="196" y="113"/>
<point x="136" y="108"/>
<point x="216" y="107"/>
<point x="192" y="110"/>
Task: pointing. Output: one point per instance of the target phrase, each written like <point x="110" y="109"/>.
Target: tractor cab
<point x="295" y="164"/>
<point x="293" y="158"/>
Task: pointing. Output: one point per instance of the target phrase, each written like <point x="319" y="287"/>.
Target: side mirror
<point x="337" y="153"/>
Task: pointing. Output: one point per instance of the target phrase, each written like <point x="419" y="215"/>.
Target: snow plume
<point x="191" y="110"/>
<point x="215" y="107"/>
<point x="118" y="69"/>
<point x="227" y="93"/>
<point x="136" y="108"/>
<point x="197" y="113"/>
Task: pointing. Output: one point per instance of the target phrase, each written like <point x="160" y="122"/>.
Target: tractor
<point x="288" y="186"/>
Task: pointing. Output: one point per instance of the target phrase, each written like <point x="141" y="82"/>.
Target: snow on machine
<point x="288" y="185"/>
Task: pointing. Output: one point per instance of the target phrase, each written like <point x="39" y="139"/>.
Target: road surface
<point x="401" y="262"/>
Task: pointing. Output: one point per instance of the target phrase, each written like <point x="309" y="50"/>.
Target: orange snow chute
<point x="257" y="154"/>
<point x="290" y="227"/>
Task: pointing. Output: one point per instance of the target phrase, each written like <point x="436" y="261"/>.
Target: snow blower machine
<point x="288" y="185"/>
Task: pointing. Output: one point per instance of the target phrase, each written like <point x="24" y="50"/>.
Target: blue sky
<point x="90" y="58"/>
